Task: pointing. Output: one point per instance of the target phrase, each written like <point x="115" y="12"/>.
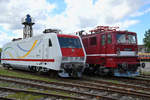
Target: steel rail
<point x="145" y="82"/>
<point x="145" y="94"/>
<point x="99" y="88"/>
<point x="132" y="80"/>
<point x="118" y="84"/>
<point x="39" y="93"/>
<point x="144" y="76"/>
<point x="3" y="98"/>
<point x="59" y="89"/>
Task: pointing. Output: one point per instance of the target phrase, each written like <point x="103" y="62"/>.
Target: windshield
<point x="66" y="42"/>
<point x="131" y="39"/>
<point x="121" y="38"/>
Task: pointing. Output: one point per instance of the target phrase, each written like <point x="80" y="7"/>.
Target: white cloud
<point x="125" y="24"/>
<point x="4" y="38"/>
<point x="13" y="10"/>
<point x="79" y="14"/>
<point x="138" y="13"/>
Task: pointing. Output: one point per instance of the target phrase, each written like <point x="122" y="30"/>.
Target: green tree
<point x="0" y="49"/>
<point x="146" y="40"/>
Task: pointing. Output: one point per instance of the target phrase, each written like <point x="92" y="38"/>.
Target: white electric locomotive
<point x="62" y="53"/>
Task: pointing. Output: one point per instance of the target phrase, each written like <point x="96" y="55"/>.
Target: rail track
<point x="142" y="89"/>
<point x="3" y="98"/>
<point x="56" y="96"/>
<point x="118" y="84"/>
<point x="99" y="90"/>
<point x="137" y="81"/>
<point x="134" y="80"/>
<point x="37" y="84"/>
<point x="145" y="76"/>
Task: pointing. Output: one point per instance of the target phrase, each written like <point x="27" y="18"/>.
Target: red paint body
<point x="70" y="51"/>
<point x="105" y="54"/>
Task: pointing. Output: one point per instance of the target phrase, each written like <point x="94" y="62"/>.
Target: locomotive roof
<point x="66" y="35"/>
<point x="97" y="33"/>
<point x="40" y="36"/>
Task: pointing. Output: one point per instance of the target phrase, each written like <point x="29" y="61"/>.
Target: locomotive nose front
<point x="73" y="56"/>
<point x="127" y="59"/>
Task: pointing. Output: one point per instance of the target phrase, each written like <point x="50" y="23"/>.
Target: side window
<point x="103" y="40"/>
<point x="93" y="41"/>
<point x="49" y="43"/>
<point x="109" y="38"/>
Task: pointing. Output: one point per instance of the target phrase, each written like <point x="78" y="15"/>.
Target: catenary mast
<point x="28" y="23"/>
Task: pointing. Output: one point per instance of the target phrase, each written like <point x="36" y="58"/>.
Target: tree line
<point x="146" y="40"/>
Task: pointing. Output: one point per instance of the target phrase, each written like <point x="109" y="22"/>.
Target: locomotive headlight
<point x="118" y="51"/>
<point x="64" y="58"/>
<point x="81" y="58"/>
<point x="72" y="59"/>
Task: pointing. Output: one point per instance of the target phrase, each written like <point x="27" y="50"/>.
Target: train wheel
<point x="38" y="70"/>
<point x="102" y="71"/>
<point x="143" y="65"/>
<point x="74" y="73"/>
<point x="6" y="66"/>
<point x="89" y="71"/>
<point x="32" y="68"/>
<point x="53" y="73"/>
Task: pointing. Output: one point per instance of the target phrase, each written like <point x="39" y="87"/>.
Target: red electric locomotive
<point x="111" y="51"/>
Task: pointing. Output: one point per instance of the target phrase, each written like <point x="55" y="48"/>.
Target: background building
<point x="141" y="48"/>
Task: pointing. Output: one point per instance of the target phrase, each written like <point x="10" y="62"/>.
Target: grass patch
<point x="146" y="72"/>
<point x="22" y="75"/>
<point x="52" y="92"/>
<point x="8" y="84"/>
<point x="114" y="81"/>
<point x="23" y="96"/>
<point x="11" y="85"/>
<point x="2" y="84"/>
<point x="33" y="89"/>
<point x="59" y="92"/>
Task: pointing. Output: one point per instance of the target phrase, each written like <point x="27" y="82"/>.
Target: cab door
<point x="44" y="49"/>
<point x="103" y="45"/>
<point x="103" y="49"/>
<point x="109" y="46"/>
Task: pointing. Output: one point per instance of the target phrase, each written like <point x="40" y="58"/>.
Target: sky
<point x="73" y="15"/>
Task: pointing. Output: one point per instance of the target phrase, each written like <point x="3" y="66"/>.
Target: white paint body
<point x="35" y="48"/>
<point x="128" y="53"/>
<point x="40" y="51"/>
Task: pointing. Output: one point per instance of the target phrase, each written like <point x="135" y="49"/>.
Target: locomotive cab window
<point x="131" y="39"/>
<point x="49" y="43"/>
<point x="93" y="41"/>
<point x="103" y="40"/>
<point x="109" y="38"/>
<point x="66" y="42"/>
<point x="121" y="38"/>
